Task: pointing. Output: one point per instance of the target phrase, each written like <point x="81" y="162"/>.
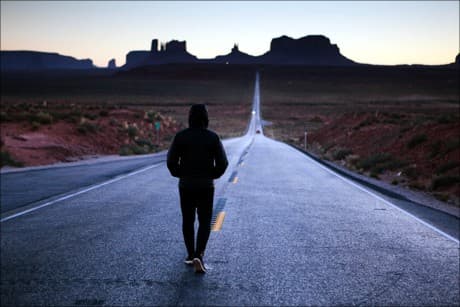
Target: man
<point x="197" y="157"/>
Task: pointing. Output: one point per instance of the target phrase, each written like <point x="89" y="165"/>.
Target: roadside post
<point x="305" y="139"/>
<point x="157" y="128"/>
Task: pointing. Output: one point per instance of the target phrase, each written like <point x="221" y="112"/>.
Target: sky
<point x="375" y="32"/>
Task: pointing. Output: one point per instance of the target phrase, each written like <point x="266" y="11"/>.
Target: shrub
<point x="7" y="159"/>
<point x="87" y="127"/>
<point x="444" y="181"/>
<point x="447" y="166"/>
<point x="452" y="144"/>
<point x="43" y="118"/>
<point x="416" y="140"/>
<point x="341" y="153"/>
<point x="90" y="116"/>
<point x="435" y="149"/>
<point x="447" y="119"/>
<point x="132" y="131"/>
<point x="411" y="172"/>
<point x="103" y="113"/>
<point x="133" y="149"/>
<point x="152" y="116"/>
<point x="4" y="117"/>
<point x="380" y="162"/>
<point x="35" y="126"/>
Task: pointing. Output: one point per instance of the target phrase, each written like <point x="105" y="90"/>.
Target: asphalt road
<point x="293" y="233"/>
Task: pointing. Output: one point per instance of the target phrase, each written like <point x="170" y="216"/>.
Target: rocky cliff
<point x="170" y="52"/>
<point x="308" y="50"/>
<point x="35" y="60"/>
<point x="315" y="50"/>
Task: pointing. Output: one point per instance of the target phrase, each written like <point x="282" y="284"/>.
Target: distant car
<point x="258" y="131"/>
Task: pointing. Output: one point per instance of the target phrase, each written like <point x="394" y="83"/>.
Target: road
<point x="293" y="233"/>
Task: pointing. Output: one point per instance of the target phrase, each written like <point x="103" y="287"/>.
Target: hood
<point x="198" y="116"/>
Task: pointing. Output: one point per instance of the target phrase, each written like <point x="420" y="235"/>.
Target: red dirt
<point x="382" y="133"/>
<point x="61" y="141"/>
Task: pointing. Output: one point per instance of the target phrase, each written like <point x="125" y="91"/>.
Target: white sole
<point x="198" y="265"/>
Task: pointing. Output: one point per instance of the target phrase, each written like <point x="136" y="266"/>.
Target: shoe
<point x="199" y="265"/>
<point x="188" y="261"/>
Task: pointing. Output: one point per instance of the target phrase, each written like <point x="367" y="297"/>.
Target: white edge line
<point x="385" y="201"/>
<point x="79" y="192"/>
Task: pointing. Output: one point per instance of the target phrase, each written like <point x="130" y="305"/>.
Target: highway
<point x="288" y="231"/>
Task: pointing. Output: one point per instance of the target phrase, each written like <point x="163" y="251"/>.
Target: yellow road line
<point x="235" y="180"/>
<point x="219" y="221"/>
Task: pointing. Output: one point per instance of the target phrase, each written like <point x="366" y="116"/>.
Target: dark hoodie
<point x="196" y="154"/>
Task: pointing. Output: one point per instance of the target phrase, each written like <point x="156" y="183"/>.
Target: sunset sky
<point x="376" y="32"/>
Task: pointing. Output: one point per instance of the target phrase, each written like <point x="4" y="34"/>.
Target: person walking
<point x="197" y="157"/>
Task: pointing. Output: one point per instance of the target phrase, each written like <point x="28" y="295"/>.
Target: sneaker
<point x="188" y="260"/>
<point x="199" y="265"/>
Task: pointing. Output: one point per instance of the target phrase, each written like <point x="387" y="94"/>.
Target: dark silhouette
<point x="112" y="64"/>
<point x="171" y="52"/>
<point x="197" y="157"/>
<point x="315" y="50"/>
<point x="34" y="60"/>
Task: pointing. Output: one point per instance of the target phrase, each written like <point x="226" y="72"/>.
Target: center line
<point x="219" y="221"/>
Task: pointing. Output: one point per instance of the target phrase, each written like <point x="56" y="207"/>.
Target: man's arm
<point x="173" y="161"/>
<point x="220" y="160"/>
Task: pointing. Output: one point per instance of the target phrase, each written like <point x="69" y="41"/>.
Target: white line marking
<point x="385" y="201"/>
<point x="79" y="192"/>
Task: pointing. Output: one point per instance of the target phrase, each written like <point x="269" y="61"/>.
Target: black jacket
<point x="197" y="157"/>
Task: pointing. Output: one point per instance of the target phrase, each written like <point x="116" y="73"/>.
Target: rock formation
<point x="112" y="64"/>
<point x="308" y="50"/>
<point x="235" y="57"/>
<point x="35" y="60"/>
<point x="170" y="52"/>
<point x="315" y="50"/>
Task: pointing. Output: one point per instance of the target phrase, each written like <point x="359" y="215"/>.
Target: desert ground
<point x="398" y="124"/>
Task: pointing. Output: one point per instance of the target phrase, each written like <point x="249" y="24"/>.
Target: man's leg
<point x="204" y="209"/>
<point x="187" y="204"/>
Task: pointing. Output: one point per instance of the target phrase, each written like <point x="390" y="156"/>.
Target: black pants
<point x="192" y="201"/>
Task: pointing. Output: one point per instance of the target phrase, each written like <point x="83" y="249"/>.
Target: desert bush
<point x="90" y="116"/>
<point x="43" y="118"/>
<point x="435" y="149"/>
<point x="85" y="127"/>
<point x="441" y="196"/>
<point x="447" y="166"/>
<point x="366" y="122"/>
<point x="327" y="147"/>
<point x="35" y="125"/>
<point x="444" y="181"/>
<point x="316" y="119"/>
<point x="341" y="153"/>
<point x="152" y="116"/>
<point x="7" y="159"/>
<point x="147" y="143"/>
<point x="132" y="131"/>
<point x="410" y="172"/>
<point x="133" y="149"/>
<point x="103" y="113"/>
<point x="447" y="119"/>
<point x="416" y="140"/>
<point x="4" y="117"/>
<point x="404" y="128"/>
<point x="452" y="144"/>
<point x="377" y="163"/>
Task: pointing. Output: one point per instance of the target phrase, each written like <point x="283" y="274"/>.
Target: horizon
<point x="413" y="32"/>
